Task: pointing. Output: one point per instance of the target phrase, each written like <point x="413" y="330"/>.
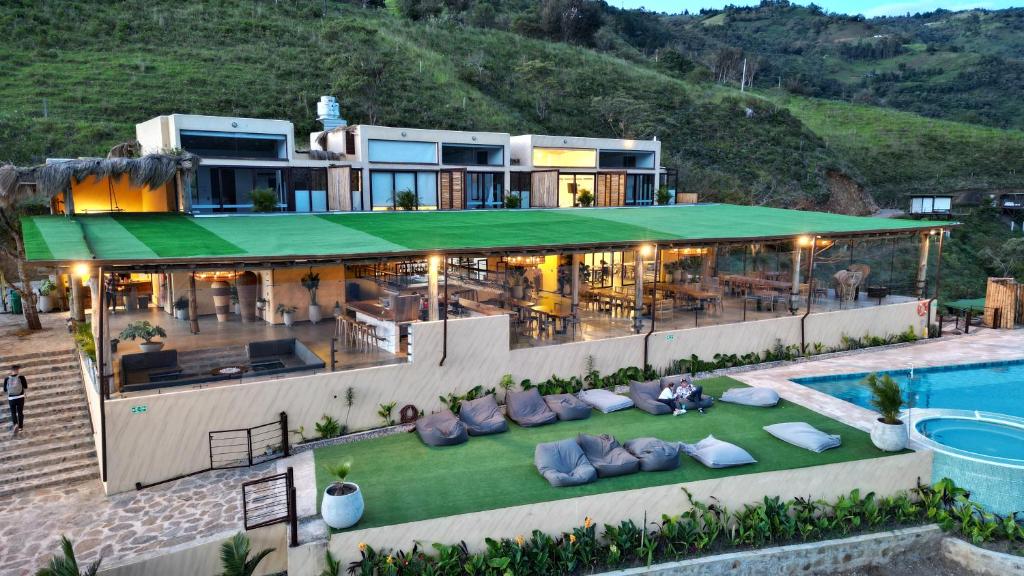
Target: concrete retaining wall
<point x="979" y="560"/>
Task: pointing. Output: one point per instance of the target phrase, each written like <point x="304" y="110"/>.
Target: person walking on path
<point x="15" y="386"/>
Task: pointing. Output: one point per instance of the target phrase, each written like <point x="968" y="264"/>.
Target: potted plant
<point x="676" y="269"/>
<point x="264" y="200"/>
<point x="311" y="282"/>
<point x="261" y="305"/>
<point x="516" y="279"/>
<point x="287" y="314"/>
<point x="146" y="331"/>
<point x="888" y="433"/>
<point x="342" y="505"/>
<point x="585" y="198"/>
<point x="337" y="309"/>
<point x="181" y="308"/>
<point x="513" y="202"/>
<point x="662" y="196"/>
<point x="45" y="303"/>
<point x="405" y="200"/>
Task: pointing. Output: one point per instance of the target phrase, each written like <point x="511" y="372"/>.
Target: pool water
<point x="996" y="387"/>
<point x="976" y="436"/>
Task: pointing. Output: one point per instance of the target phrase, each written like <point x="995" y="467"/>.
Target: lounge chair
<point x="715" y="453"/>
<point x="567" y="406"/>
<point x="607" y="456"/>
<point x="441" y="429"/>
<point x="527" y="408"/>
<point x="563" y="463"/>
<point x="605" y="401"/>
<point x="804" y="435"/>
<point x="645" y="397"/>
<point x="752" y="396"/>
<point x="482" y="416"/>
<point x="655" y="455"/>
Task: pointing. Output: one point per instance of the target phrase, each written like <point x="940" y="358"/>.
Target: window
<point x="235" y="144"/>
<point x="570" y="186"/>
<point x="385" y="185"/>
<point x="626" y="159"/>
<point x="308" y="190"/>
<point x="230" y="189"/>
<point x="520" y="186"/>
<point x="402" y="152"/>
<point x="565" y="157"/>
<point x="472" y="155"/>
<point x="639" y="189"/>
<point x="485" y="190"/>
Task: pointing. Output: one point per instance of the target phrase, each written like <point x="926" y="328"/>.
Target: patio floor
<point x="404" y="480"/>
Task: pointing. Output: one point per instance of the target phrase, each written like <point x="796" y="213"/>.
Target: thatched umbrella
<point x="48" y="180"/>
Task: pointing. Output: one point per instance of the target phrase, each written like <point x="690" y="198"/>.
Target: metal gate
<point x="248" y="446"/>
<point x="269" y="501"/>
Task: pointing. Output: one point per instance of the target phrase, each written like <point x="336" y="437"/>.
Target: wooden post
<point x="922" y="265"/>
<point x="75" y="288"/>
<point x="794" y="292"/>
<point x="638" y="290"/>
<point x="193" y="304"/>
<point x="577" y="260"/>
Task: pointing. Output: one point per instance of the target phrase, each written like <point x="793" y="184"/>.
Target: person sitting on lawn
<point x="687" y="391"/>
<point x="668" y="397"/>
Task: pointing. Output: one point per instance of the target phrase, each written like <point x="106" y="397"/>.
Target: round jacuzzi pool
<point x="981" y="451"/>
<point x="982" y="437"/>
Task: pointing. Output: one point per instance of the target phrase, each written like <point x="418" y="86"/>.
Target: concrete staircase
<point x="56" y="446"/>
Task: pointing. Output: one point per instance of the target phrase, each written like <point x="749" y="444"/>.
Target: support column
<point x="708" y="265"/>
<point x="577" y="260"/>
<point x="638" y="291"/>
<point x="922" y="265"/>
<point x="433" y="263"/>
<point x="75" y="288"/>
<point x="193" y="304"/>
<point x="794" y="292"/>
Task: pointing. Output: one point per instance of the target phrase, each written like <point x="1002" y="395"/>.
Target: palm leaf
<point x="66" y="564"/>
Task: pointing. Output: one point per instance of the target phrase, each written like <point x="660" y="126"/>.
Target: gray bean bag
<point x="705" y="402"/>
<point x="753" y="396"/>
<point x="645" y="397"/>
<point x="567" y="406"/>
<point x="527" y="408"/>
<point x="607" y="455"/>
<point x="482" y="416"/>
<point x="654" y="454"/>
<point x="441" y="429"/>
<point x="563" y="463"/>
<point x="804" y="435"/>
<point x="605" y="400"/>
<point x="715" y="453"/>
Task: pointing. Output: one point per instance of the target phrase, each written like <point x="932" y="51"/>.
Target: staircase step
<point x="73" y="390"/>
<point x="60" y="475"/>
<point x="41" y="362"/>
<point x="48" y="423"/>
<point x="32" y="437"/>
<point x="24" y="359"/>
<point x="33" y="462"/>
<point x="55" y="379"/>
<point x="46" y="471"/>
<point x="37" y="413"/>
<point x="43" y="447"/>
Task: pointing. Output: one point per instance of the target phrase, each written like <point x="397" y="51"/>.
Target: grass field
<point x="403" y="480"/>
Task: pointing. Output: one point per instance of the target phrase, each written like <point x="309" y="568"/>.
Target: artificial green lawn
<point x="130" y="237"/>
<point x="404" y="480"/>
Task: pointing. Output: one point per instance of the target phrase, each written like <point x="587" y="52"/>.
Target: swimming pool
<point x="982" y="437"/>
<point x="996" y="387"/>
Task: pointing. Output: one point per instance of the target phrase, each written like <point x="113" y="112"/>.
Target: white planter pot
<point x="181" y="314"/>
<point x="44" y="303"/>
<point x="342" y="510"/>
<point x="677" y="276"/>
<point x="889" y="437"/>
<point x="314" y="313"/>
<point x="289" y="318"/>
<point x="151" y="346"/>
<point x="236" y="308"/>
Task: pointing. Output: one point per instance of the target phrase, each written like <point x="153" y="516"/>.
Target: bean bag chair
<point x="482" y="416"/>
<point x="753" y="396"/>
<point x="607" y="456"/>
<point x="605" y="401"/>
<point x="567" y="406"/>
<point x="645" y="397"/>
<point x="527" y="408"/>
<point x="705" y="402"/>
<point x="655" y="455"/>
<point x="441" y="429"/>
<point x="715" y="453"/>
<point x="804" y="435"/>
<point x="563" y="463"/>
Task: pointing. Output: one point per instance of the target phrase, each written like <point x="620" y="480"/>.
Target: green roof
<point x="972" y="304"/>
<point x="172" y="237"/>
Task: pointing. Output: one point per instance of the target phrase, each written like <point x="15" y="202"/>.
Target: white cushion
<point x="605" y="401"/>
<point x="803" y="435"/>
<point x="715" y="453"/>
<point x="752" y="396"/>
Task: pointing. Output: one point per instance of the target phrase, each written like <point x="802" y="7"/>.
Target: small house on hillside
<point x="930" y="204"/>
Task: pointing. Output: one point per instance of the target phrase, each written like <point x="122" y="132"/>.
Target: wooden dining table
<point x="735" y="281"/>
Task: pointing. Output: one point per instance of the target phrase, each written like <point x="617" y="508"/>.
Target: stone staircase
<point x="56" y="446"/>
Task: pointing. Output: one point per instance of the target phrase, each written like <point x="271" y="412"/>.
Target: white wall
<point x="477" y="354"/>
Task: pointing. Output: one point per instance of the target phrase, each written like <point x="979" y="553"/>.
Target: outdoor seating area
<point x="404" y="480"/>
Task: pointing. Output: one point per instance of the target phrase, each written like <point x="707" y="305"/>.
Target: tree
<point x="1008" y="259"/>
<point x="234" y="556"/>
<point x="18" y="201"/>
<point x="67" y="565"/>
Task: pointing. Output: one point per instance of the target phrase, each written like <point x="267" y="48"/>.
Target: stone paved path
<point x="122" y="526"/>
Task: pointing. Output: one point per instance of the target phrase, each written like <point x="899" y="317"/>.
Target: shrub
<point x="405" y="200"/>
<point x="886" y="397"/>
<point x="513" y="202"/>
<point x="85" y="340"/>
<point x="264" y="200"/>
<point x="585" y="198"/>
<point x="662" y="197"/>
<point x="328" y="427"/>
<point x="385" y="410"/>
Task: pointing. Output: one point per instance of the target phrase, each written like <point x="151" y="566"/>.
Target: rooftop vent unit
<point x="328" y="113"/>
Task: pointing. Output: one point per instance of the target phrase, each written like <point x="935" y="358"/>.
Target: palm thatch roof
<point x="18" y="184"/>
